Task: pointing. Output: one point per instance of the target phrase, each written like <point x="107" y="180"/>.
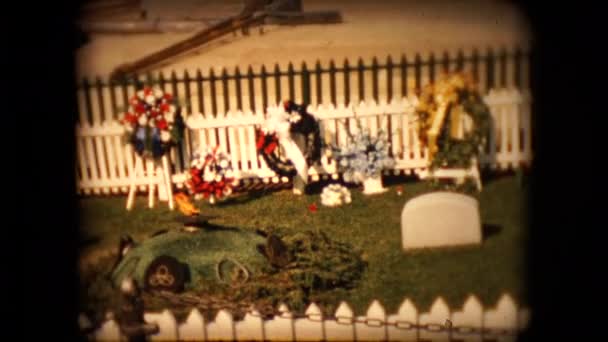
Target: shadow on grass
<point x="315" y="188"/>
<point x="246" y="197"/>
<point x="193" y="220"/>
<point x="390" y="180"/>
<point x="214" y="227"/>
<point x="488" y="230"/>
<point x="522" y="173"/>
<point x="203" y="224"/>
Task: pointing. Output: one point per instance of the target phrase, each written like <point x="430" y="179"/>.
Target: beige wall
<point x="370" y="28"/>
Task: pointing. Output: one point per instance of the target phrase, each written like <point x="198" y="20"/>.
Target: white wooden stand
<point x="459" y="174"/>
<point x="373" y="185"/>
<point x="150" y="175"/>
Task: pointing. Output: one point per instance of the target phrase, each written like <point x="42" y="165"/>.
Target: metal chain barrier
<point x="268" y="311"/>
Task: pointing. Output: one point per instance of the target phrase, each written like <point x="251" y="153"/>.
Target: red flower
<point x="260" y="142"/>
<point x="312" y="208"/>
<point x="164" y="107"/>
<point x="130" y="118"/>
<point x="162" y="124"/>
<point x="155" y="112"/>
<point x="168" y="97"/>
<point x="270" y="148"/>
<point x="147" y="91"/>
<point x="140" y="108"/>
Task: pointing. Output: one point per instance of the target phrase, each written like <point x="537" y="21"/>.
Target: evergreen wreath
<point x="300" y="122"/>
<point x="458" y="95"/>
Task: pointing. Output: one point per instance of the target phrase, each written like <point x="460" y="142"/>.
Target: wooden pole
<point x="223" y="27"/>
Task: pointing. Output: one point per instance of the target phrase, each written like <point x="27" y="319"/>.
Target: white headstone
<point x="440" y="219"/>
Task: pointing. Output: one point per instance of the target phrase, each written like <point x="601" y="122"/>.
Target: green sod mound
<point x="238" y="266"/>
<point x="201" y="251"/>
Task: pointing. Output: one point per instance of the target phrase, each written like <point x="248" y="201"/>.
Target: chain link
<point x="466" y="330"/>
<point x="344" y="320"/>
<point x="314" y="317"/>
<point x="374" y="322"/>
<point x="434" y="327"/>
<point x="404" y="325"/>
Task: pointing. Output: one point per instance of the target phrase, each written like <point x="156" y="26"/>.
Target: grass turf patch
<point x="370" y="224"/>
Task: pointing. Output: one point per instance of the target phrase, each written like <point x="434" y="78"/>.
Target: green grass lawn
<point x="369" y="223"/>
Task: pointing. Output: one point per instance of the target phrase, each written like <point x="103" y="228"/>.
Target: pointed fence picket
<point x="435" y="321"/>
<point x="251" y="328"/>
<point x="472" y="322"/>
<point x="372" y="328"/>
<point x="166" y="323"/>
<point x="194" y="327"/>
<point x="406" y="317"/>
<point x="281" y="327"/>
<point x="222" y="328"/>
<point x="311" y="327"/>
<point x="342" y="328"/>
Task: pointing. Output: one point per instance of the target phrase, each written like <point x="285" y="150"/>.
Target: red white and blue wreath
<point x="277" y="132"/>
<point x="153" y="122"/>
<point x="211" y="176"/>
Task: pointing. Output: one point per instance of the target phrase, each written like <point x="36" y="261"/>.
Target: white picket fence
<point x="471" y="323"/>
<point x="105" y="162"/>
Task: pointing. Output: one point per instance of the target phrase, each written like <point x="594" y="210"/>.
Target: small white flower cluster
<point x="277" y="123"/>
<point x="294" y="117"/>
<point x="335" y="195"/>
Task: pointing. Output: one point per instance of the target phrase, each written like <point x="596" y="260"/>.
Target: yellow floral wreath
<point x="440" y="109"/>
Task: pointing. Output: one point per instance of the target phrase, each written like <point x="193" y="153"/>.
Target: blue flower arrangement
<point x="363" y="156"/>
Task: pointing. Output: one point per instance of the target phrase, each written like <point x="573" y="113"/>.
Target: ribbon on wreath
<point x="277" y="133"/>
<point x="445" y="98"/>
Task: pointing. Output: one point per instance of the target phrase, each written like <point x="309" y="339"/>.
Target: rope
<point x="218" y="273"/>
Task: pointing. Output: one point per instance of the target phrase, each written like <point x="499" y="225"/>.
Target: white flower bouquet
<point x="363" y="156"/>
<point x="211" y="175"/>
<point x="335" y="195"/>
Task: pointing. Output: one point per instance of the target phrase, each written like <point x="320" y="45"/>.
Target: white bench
<point x="458" y="174"/>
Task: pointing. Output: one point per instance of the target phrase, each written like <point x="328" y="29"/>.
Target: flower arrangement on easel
<point x="443" y="109"/>
<point x="440" y="110"/>
<point x="153" y="123"/>
<point x="363" y="158"/>
<point x="211" y="176"/>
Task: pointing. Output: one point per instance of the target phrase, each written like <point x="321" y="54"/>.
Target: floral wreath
<point x="300" y="122"/>
<point x="439" y="110"/>
<point x="153" y="123"/>
<point x="211" y="175"/>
